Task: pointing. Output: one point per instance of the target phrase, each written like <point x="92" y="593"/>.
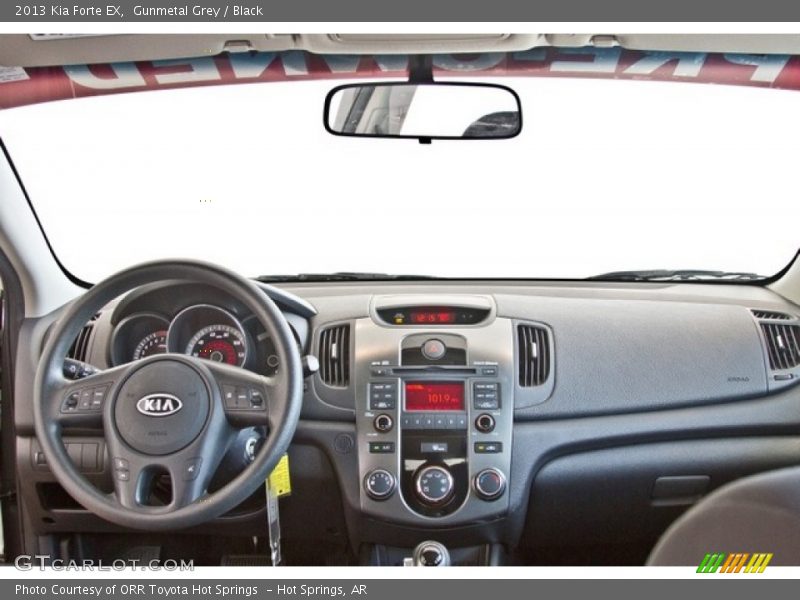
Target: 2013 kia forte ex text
<point x="526" y="299"/>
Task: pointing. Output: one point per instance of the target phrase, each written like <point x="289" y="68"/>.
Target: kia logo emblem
<point x="159" y="405"/>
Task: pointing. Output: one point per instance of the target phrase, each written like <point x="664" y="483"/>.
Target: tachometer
<point x="154" y="343"/>
<point x="137" y="336"/>
<point x="220" y="343"/>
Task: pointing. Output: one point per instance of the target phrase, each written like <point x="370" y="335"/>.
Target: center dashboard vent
<point x="334" y="355"/>
<point x="534" y="355"/>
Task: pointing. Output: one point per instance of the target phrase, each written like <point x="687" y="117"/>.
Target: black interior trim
<point x="13" y="311"/>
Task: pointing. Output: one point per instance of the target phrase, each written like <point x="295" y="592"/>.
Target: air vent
<point x="334" y="356"/>
<point x="783" y="345"/>
<point x="770" y="314"/>
<point x="80" y="346"/>
<point x="534" y="355"/>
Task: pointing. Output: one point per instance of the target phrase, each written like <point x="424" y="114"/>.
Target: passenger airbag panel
<point x="614" y="356"/>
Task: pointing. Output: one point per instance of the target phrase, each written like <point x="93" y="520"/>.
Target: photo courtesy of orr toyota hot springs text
<point x="160" y="590"/>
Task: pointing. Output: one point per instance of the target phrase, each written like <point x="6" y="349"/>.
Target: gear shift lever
<point x="429" y="554"/>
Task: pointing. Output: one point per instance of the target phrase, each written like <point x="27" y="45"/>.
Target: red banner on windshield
<point x="19" y="86"/>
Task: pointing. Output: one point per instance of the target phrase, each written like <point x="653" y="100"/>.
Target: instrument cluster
<point x="202" y="330"/>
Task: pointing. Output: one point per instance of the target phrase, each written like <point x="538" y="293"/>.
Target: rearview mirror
<point x="424" y="111"/>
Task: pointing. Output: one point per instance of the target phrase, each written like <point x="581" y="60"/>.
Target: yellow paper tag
<point x="279" y="480"/>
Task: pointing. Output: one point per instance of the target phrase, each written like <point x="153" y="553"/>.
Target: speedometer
<point x="220" y="343"/>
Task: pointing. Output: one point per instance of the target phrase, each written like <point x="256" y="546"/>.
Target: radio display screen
<point x="434" y="395"/>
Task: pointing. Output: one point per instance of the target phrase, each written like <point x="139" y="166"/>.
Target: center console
<point x="434" y="404"/>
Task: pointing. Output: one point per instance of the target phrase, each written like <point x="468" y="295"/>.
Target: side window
<point x="2" y="330"/>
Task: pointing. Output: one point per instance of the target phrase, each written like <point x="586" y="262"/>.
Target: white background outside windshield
<point x="606" y="175"/>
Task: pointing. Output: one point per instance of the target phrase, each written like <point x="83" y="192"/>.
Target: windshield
<point x="605" y="176"/>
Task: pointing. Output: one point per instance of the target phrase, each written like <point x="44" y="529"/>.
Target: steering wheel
<point x="168" y="413"/>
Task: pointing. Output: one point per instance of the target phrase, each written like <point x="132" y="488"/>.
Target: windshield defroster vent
<point x="534" y="355"/>
<point x="783" y="345"/>
<point x="770" y="314"/>
<point x="334" y="356"/>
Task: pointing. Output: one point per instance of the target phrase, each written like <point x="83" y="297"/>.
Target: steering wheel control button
<point x="434" y="349"/>
<point x="229" y="396"/>
<point x="157" y="427"/>
<point x="256" y="398"/>
<point x="383" y="423"/>
<point x="486" y="395"/>
<point x="379" y="484"/>
<point x="242" y="398"/>
<point x="121" y="469"/>
<point x="85" y="401"/>
<point x="98" y="397"/>
<point x="434" y="485"/>
<point x="71" y="402"/>
<point x="192" y="468"/>
<point x="484" y="423"/>
<point x="489" y="484"/>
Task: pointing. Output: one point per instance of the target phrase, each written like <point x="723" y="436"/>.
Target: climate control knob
<point x="379" y="484"/>
<point x="489" y="484"/>
<point x="434" y="485"/>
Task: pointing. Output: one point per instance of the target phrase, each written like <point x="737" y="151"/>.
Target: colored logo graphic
<point x="738" y="562"/>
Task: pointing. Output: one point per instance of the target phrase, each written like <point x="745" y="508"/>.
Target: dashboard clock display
<point x="220" y="343"/>
<point x="432" y="316"/>
<point x="434" y="395"/>
<point x="154" y="343"/>
<point x="441" y="316"/>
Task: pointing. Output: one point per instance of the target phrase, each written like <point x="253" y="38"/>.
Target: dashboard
<point x="530" y="415"/>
